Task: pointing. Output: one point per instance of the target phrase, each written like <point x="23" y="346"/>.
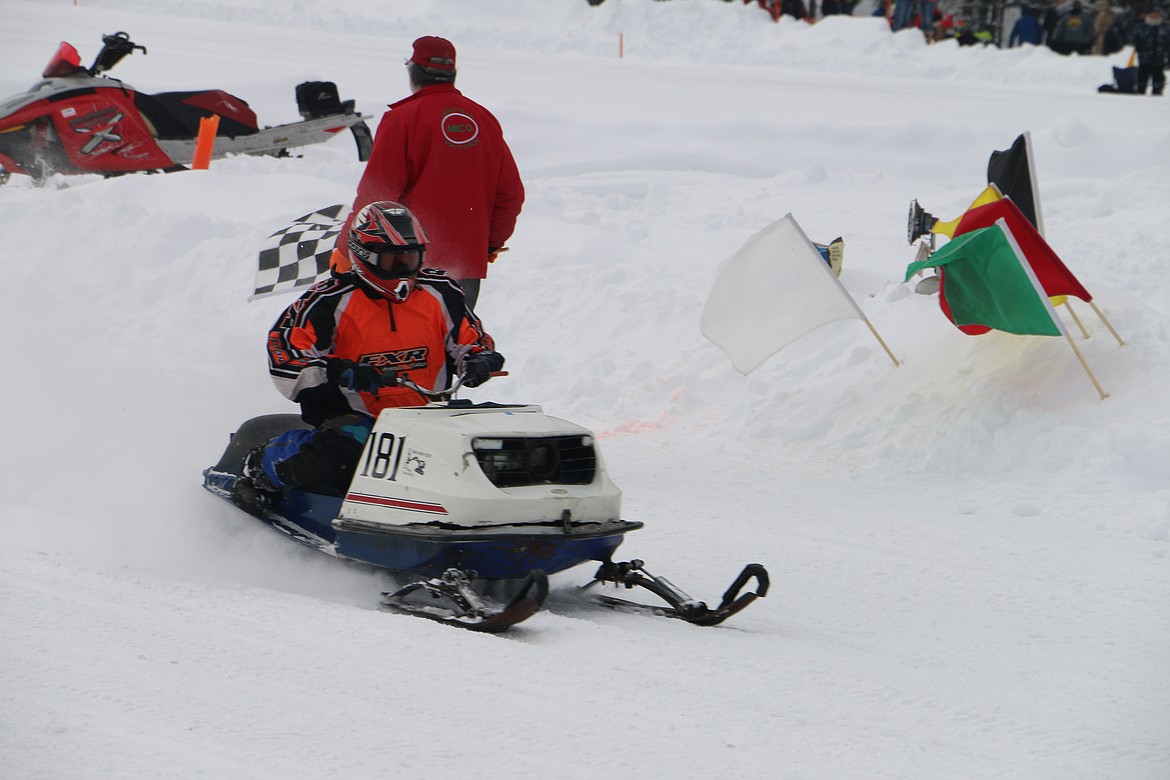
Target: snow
<point x="968" y="551"/>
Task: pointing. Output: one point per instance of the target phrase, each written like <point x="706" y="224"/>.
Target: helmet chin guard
<point x="396" y="288"/>
<point x="402" y="290"/>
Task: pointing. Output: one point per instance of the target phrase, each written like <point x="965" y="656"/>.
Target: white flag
<point x="775" y="289"/>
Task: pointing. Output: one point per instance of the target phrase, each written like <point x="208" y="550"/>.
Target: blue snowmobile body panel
<point x="309" y="518"/>
<point x="499" y="551"/>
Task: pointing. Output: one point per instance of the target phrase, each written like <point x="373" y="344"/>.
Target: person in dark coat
<point x="1151" y="41"/>
<point x="1073" y="33"/>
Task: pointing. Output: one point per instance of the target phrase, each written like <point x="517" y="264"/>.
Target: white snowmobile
<point x="477" y="504"/>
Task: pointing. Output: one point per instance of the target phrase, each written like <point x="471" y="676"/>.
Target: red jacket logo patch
<point x="459" y="129"/>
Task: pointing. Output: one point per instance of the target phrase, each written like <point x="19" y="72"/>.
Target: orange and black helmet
<point x="386" y="248"/>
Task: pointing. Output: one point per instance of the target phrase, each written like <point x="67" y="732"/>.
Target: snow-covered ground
<point x="968" y="552"/>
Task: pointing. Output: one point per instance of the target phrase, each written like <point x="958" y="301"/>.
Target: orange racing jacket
<point x="425" y="338"/>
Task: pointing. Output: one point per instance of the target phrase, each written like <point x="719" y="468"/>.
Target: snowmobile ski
<point x="679" y="605"/>
<point x="453" y="598"/>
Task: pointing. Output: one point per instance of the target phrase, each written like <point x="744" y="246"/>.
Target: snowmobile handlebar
<point x="114" y="48"/>
<point x="391" y="378"/>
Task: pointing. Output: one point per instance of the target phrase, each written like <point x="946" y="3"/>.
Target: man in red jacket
<point x="443" y="156"/>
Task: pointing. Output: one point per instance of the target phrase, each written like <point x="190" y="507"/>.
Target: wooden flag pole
<point x="1107" y="323"/>
<point x="1068" y="305"/>
<point x="873" y="330"/>
<point x="1054" y="318"/>
<point x="1085" y="365"/>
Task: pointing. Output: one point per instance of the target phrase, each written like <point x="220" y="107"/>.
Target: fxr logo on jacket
<point x="399" y="359"/>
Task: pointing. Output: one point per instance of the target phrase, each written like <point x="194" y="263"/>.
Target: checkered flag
<point x="296" y="256"/>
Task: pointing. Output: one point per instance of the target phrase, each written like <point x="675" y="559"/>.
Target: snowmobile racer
<point x="342" y="350"/>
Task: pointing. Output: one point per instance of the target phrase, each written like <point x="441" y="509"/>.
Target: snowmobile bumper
<point x="494" y="552"/>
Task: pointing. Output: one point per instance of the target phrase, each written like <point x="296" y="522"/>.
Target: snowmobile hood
<point x="479" y="466"/>
<point x="49" y="87"/>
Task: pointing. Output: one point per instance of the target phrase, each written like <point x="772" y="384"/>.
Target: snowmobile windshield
<point x="65" y="62"/>
<point x="395" y="265"/>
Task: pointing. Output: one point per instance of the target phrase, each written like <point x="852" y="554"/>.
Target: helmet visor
<point x="395" y="265"/>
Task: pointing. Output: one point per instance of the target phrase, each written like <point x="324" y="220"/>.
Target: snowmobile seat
<point x="252" y="434"/>
<point x="176" y="115"/>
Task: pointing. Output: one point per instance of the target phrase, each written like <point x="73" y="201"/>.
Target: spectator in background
<point x="926" y="18"/>
<point x="1051" y="17"/>
<point x="1101" y="26"/>
<point x="903" y="13"/>
<point x="1073" y="33"/>
<point x="1027" y="29"/>
<point x="794" y="8"/>
<point x="444" y="157"/>
<point x="1151" y="41"/>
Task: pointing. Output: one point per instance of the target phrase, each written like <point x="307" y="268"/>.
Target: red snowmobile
<point x="77" y="120"/>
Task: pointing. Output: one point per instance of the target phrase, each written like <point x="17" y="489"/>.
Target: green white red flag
<point x="988" y="281"/>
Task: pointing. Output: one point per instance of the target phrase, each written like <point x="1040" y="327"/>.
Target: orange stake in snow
<point x="205" y="142"/>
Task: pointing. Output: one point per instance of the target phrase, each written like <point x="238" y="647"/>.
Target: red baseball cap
<point x="434" y="54"/>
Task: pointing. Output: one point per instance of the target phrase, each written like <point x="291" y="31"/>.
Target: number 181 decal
<point x="382" y="455"/>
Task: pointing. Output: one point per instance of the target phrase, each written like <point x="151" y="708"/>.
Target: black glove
<point x="478" y="368"/>
<point x="352" y="376"/>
